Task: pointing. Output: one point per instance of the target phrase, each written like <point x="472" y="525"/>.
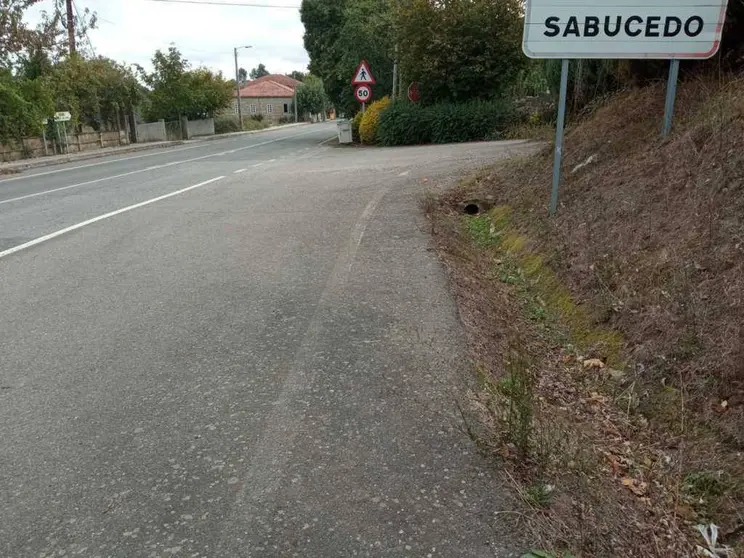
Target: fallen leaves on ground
<point x="594" y="363"/>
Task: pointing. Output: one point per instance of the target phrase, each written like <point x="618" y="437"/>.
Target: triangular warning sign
<point x="363" y="75"/>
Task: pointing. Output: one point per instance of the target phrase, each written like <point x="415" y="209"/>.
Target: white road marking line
<point x="46" y="173"/>
<point x="257" y="165"/>
<point x="272" y="160"/>
<point x="102" y="217"/>
<point x="326" y="141"/>
<point x="132" y="158"/>
<point x="239" y="171"/>
<point x="140" y="170"/>
<point x="36" y="194"/>
<point x="404" y="173"/>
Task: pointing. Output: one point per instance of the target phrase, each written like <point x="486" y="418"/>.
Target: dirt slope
<point x="641" y="276"/>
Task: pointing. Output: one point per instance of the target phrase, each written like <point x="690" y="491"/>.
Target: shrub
<point x="257" y="117"/>
<point x="226" y="124"/>
<point x="250" y="124"/>
<point x="356" y="121"/>
<point x="229" y="124"/>
<point x="405" y="123"/>
<point x="286" y="120"/>
<point x="409" y="124"/>
<point x="371" y="120"/>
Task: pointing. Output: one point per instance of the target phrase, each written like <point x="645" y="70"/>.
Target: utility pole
<point x="70" y="27"/>
<point x="396" y="89"/>
<point x="237" y="85"/>
<point x="294" y="102"/>
<point x="237" y="88"/>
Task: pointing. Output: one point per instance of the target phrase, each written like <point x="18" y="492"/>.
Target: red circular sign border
<point x="356" y="93"/>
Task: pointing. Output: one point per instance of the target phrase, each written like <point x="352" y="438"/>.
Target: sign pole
<point x="559" y="137"/>
<point x="237" y="90"/>
<point x="671" y="96"/>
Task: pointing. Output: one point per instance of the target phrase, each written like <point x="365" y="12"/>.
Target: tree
<point x="16" y="36"/>
<point x="24" y="105"/>
<point x="96" y="91"/>
<point x="259" y="72"/>
<point x="340" y="33"/>
<point x="323" y="21"/>
<point x="34" y="63"/>
<point x="242" y="75"/>
<point x="176" y="90"/>
<point x="311" y="96"/>
<point x="299" y="76"/>
<point x="460" y="50"/>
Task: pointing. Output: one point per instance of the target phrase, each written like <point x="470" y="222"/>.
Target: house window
<point x="269" y="108"/>
<point x="253" y="109"/>
<point x="286" y="108"/>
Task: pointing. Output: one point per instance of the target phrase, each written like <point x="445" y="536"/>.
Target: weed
<point x="509" y="278"/>
<point x="689" y="346"/>
<point x="705" y="484"/>
<point x="537" y="312"/>
<point x="540" y="495"/>
<point x="518" y="387"/>
<point x="544" y="293"/>
<point x="480" y="231"/>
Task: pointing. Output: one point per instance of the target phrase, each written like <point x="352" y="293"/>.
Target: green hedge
<point x="405" y="123"/>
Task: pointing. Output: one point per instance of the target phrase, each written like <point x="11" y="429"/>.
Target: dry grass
<point x="643" y="269"/>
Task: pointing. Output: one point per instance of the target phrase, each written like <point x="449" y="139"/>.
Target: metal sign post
<point x="63" y="117"/>
<point x="559" y="137"/>
<point x="619" y="29"/>
<point x="671" y="96"/>
<point x="59" y="137"/>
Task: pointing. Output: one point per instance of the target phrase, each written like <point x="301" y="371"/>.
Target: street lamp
<point x="237" y="84"/>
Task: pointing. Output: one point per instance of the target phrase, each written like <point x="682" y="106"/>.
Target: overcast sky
<point x="131" y="30"/>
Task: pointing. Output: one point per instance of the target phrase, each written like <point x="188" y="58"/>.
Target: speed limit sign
<point x="363" y="93"/>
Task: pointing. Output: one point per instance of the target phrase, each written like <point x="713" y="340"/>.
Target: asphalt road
<point x="239" y="348"/>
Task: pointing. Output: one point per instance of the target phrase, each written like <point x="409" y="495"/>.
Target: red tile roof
<point x="266" y="88"/>
<point x="280" y="79"/>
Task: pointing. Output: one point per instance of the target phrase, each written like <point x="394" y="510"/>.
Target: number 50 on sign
<point x="363" y="93"/>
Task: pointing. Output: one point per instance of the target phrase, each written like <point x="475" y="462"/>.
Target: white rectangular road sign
<point x="62" y="117"/>
<point x="661" y="29"/>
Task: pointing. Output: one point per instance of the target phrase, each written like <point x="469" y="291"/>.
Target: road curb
<point x="249" y="132"/>
<point x="27" y="164"/>
<point x="47" y="162"/>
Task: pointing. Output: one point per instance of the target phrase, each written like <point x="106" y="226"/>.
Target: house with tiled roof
<point x="271" y="96"/>
<point x="279" y="78"/>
